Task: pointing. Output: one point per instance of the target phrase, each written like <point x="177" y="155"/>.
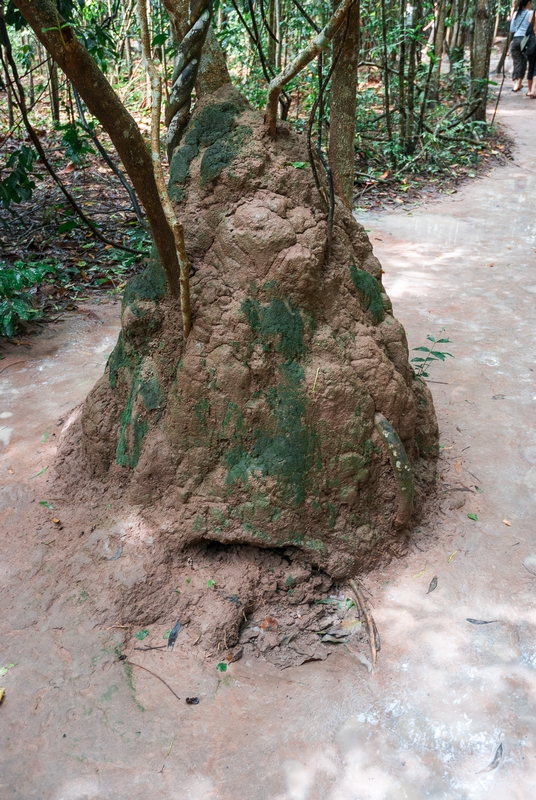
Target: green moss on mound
<point x="370" y="287"/>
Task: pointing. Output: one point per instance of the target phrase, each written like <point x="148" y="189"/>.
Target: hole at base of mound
<point x="254" y="602"/>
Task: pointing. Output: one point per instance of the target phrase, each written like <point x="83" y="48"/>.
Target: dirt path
<point x="77" y="725"/>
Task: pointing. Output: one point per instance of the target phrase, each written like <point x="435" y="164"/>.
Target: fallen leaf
<point x="2" y="694"/>
<point x="55" y="519"/>
<point x="269" y="624"/>
<point x="451" y="556"/>
<point x="418" y="574"/>
<point x="458" y="465"/>
<point x="433" y="585"/>
<point x="4" y="669"/>
<point x="351" y="624"/>
<point x="385" y="175"/>
<point x="140" y="635"/>
<point x="481" y="621"/>
<point x="222" y="667"/>
<point x="507" y="522"/>
<point x="236" y="656"/>
<point x="496" y="760"/>
<point x="473" y="517"/>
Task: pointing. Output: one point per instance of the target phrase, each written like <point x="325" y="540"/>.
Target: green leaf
<point x="442" y="354"/>
<point x="479" y="490"/>
<point x="159" y="40"/>
<point x="46" y="434"/>
<point x="222" y="666"/>
<point x="300" y="164"/>
<point x="4" y="669"/>
<point x="188" y="580"/>
<point x="166" y="635"/>
<point x="473" y="517"/>
<point x="37" y="474"/>
<point x="210" y="583"/>
<point x="68" y="226"/>
<point x="416" y="360"/>
<point x="140" y="635"/>
<point x="46" y="504"/>
<point x="422" y="349"/>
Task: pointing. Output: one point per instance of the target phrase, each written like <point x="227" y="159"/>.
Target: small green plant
<point x="432" y="354"/>
<point x="18" y="185"/>
<point x="15" y="299"/>
<point x="75" y="142"/>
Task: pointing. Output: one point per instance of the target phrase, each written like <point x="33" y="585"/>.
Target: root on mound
<point x="260" y="428"/>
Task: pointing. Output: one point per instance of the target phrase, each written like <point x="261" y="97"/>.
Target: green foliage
<point x="15" y="300"/>
<point x="18" y="186"/>
<point x="432" y="354"/>
<point x="75" y="142"/>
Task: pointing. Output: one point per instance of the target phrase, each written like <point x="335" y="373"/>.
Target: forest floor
<point x="450" y="710"/>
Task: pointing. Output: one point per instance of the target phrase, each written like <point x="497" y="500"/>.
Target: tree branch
<point x="173" y="222"/>
<point x="314" y="48"/>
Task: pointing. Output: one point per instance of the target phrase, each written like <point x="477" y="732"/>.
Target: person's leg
<point x="530" y="76"/>
<point x="520" y="64"/>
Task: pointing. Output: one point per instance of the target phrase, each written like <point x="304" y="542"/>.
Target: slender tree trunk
<point x="128" y="57"/>
<point x="343" y="105"/>
<point x="480" y="58"/>
<point x="506" y="47"/>
<point x="54" y="90"/>
<point x="402" y="115"/>
<point x="271" y="40"/>
<point x="416" y="25"/>
<point x="385" y="55"/>
<point x="212" y="72"/>
<point x="439" y="44"/>
<point x="457" y="45"/>
<point x="9" y="98"/>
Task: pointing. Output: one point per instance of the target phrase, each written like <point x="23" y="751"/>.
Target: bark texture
<point x="480" y="58"/>
<point x="343" y="106"/>
<point x="260" y="428"/>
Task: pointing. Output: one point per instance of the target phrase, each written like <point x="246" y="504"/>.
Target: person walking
<point x="518" y="28"/>
<point x="530" y="53"/>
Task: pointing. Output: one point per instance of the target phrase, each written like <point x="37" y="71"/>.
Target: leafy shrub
<point x="15" y="300"/>
<point x="18" y="185"/>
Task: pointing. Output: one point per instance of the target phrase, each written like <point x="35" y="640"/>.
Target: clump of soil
<point x="258" y="430"/>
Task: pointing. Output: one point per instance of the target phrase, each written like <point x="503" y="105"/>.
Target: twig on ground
<point x="374" y="638"/>
<point x="133" y="664"/>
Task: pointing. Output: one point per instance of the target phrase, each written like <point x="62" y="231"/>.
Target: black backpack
<point x="528" y="42"/>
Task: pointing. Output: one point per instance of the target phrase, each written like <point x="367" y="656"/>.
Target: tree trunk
<point x="439" y="44"/>
<point x="9" y="99"/>
<point x="416" y="25"/>
<point x="343" y="102"/>
<point x="506" y="47"/>
<point x="212" y="72"/>
<point x="54" y="90"/>
<point x="480" y="58"/>
<point x="271" y="39"/>
<point x="105" y="105"/>
<point x="402" y="110"/>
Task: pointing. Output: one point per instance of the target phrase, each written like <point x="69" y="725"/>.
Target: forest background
<point x="394" y="106"/>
